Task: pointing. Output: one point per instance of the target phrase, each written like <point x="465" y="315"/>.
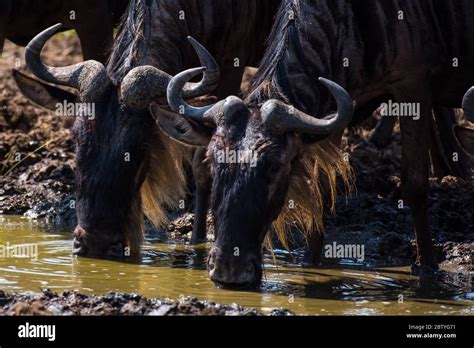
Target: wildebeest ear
<point x="180" y="128"/>
<point x="465" y="137"/>
<point x="41" y="93"/>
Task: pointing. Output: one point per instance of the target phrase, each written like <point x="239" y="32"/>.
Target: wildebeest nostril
<point x="211" y="260"/>
<point x="116" y="250"/>
<point x="79" y="232"/>
<point x="79" y="244"/>
<point x="78" y="248"/>
<point x="230" y="272"/>
<point x="211" y="266"/>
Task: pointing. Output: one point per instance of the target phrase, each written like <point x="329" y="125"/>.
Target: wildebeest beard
<point x="112" y="160"/>
<point x="293" y="168"/>
<point x="258" y="197"/>
<point x="122" y="161"/>
<point x="289" y="186"/>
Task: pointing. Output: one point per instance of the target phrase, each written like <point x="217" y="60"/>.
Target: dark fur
<point x="109" y="205"/>
<point x="21" y="20"/>
<point x="407" y="59"/>
<point x="152" y="34"/>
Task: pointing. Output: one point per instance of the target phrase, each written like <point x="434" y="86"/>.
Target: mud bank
<point x="36" y="151"/>
<point x="74" y="303"/>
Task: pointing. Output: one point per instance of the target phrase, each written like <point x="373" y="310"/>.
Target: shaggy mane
<point x="164" y="186"/>
<point x="271" y="80"/>
<point x="165" y="181"/>
<point x="130" y="42"/>
<point x="312" y="191"/>
<point x="314" y="180"/>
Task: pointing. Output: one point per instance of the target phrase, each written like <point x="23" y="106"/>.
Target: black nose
<point x="96" y="244"/>
<point x="116" y="251"/>
<point x="227" y="270"/>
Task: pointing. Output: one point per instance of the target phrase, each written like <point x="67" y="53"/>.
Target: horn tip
<point x="55" y="28"/>
<point x="326" y="82"/>
<point x="196" y="44"/>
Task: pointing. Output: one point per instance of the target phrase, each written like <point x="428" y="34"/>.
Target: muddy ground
<point x="37" y="179"/>
<point x="74" y="303"/>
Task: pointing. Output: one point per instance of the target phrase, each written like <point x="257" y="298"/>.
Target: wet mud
<point x="112" y="303"/>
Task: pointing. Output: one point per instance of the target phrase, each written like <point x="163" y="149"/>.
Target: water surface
<point x="170" y="270"/>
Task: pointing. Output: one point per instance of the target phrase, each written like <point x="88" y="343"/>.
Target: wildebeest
<point x="400" y="50"/>
<point x="125" y="165"/>
<point x="94" y="21"/>
<point x="442" y="144"/>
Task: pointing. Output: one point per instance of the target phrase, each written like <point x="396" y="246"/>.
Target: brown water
<point x="172" y="270"/>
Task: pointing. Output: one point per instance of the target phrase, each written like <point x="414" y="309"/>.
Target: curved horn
<point x="280" y="117"/>
<point x="144" y="84"/>
<point x="175" y="96"/>
<point x="211" y="76"/>
<point x="468" y="104"/>
<point x="89" y="77"/>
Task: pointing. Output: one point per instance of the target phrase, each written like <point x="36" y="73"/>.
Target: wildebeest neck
<point x="370" y="49"/>
<point x="146" y="37"/>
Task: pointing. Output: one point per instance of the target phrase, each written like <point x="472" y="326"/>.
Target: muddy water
<point x="172" y="270"/>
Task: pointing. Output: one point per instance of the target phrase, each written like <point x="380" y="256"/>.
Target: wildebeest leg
<point x="312" y="255"/>
<point x="440" y="166"/>
<point x="95" y="33"/>
<point x="382" y="134"/>
<point x="448" y="147"/>
<point x="202" y="177"/>
<point x="230" y="82"/>
<point x="365" y="111"/>
<point x="415" y="136"/>
<point x="5" y="8"/>
<point x="315" y="240"/>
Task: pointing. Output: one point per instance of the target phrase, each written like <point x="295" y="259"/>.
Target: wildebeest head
<point x="115" y="144"/>
<point x="253" y="152"/>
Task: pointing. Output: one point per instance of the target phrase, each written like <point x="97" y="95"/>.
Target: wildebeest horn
<point x="280" y="117"/>
<point x="468" y="104"/>
<point x="175" y="95"/>
<point x="144" y="84"/>
<point x="89" y="78"/>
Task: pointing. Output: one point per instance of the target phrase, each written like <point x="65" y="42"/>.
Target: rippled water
<point x="173" y="270"/>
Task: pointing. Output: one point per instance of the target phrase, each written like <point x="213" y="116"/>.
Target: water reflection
<point x="176" y="269"/>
